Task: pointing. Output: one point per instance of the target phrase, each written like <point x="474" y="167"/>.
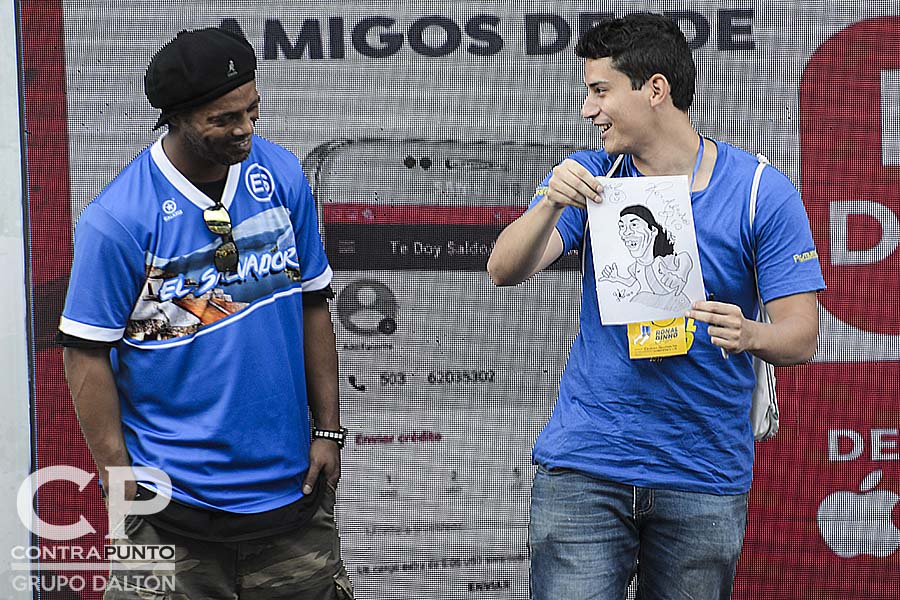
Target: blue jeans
<point x="588" y="537"/>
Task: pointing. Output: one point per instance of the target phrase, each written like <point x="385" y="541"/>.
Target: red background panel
<point x="785" y="555"/>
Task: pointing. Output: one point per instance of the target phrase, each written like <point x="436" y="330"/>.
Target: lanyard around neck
<point x="636" y="173"/>
<point x="697" y="165"/>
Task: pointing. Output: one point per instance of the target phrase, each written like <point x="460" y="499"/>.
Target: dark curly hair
<point x="642" y="45"/>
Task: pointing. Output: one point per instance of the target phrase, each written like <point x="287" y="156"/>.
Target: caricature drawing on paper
<point x="658" y="275"/>
<point x="644" y="249"/>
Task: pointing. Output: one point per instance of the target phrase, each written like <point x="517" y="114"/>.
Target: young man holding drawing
<point x="646" y="464"/>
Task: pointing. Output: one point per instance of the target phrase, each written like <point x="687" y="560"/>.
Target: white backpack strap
<point x="615" y="165"/>
<point x="765" y="372"/>
<point x="754" y="192"/>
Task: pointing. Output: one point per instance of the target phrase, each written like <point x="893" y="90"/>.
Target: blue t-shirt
<point x="681" y="423"/>
<point x="209" y="367"/>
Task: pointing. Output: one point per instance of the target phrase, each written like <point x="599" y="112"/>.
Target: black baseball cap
<point x="197" y="67"/>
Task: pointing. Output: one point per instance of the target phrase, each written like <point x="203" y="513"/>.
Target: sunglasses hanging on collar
<point x="218" y="221"/>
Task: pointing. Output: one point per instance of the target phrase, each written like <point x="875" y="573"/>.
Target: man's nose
<point x="244" y="128"/>
<point x="589" y="108"/>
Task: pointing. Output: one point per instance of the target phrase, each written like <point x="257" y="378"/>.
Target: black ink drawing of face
<point x="637" y="235"/>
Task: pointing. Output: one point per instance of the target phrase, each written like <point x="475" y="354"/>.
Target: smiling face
<point x="637" y="236"/>
<point x="613" y="106"/>
<point x="220" y="132"/>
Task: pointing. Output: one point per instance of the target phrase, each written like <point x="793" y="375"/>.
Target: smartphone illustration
<point x="446" y="380"/>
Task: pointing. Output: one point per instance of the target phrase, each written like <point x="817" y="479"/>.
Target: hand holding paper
<point x="571" y="184"/>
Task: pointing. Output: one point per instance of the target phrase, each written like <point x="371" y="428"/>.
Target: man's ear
<point x="659" y="89"/>
<point x="176" y="120"/>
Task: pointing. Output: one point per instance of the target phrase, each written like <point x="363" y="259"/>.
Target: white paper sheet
<point x="644" y="246"/>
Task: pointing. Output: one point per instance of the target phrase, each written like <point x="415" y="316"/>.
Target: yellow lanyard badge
<point x="655" y="339"/>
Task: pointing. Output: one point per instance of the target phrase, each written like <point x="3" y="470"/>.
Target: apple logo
<point x="853" y="524"/>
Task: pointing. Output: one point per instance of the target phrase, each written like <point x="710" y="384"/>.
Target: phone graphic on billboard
<point x="442" y="387"/>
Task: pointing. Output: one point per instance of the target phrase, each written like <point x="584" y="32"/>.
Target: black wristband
<point x="328" y="434"/>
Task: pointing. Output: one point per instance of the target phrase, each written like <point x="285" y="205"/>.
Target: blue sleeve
<point x="314" y="268"/>
<point x="108" y="273"/>
<point x="786" y="257"/>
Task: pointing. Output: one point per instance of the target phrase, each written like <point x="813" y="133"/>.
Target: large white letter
<point x="834" y="450"/>
<point x="837" y="223"/>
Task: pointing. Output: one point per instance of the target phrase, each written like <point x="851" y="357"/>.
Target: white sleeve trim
<point x="90" y="332"/>
<point x="320" y="282"/>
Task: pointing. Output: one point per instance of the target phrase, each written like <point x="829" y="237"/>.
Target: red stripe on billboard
<point x="47" y="140"/>
<point x="57" y="437"/>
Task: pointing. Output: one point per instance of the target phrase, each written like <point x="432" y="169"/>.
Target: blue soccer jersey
<point x="681" y="423"/>
<point x="209" y="366"/>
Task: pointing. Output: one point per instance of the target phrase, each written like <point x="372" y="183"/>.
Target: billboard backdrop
<point x="424" y="128"/>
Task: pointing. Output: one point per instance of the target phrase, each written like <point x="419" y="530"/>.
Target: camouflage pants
<point x="297" y="565"/>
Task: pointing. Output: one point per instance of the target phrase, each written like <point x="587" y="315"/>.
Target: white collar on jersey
<point x="183" y="184"/>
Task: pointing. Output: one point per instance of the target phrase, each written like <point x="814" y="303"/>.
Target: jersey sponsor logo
<point x="810" y="255"/>
<point x="259" y="182"/>
<point x="170" y="207"/>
